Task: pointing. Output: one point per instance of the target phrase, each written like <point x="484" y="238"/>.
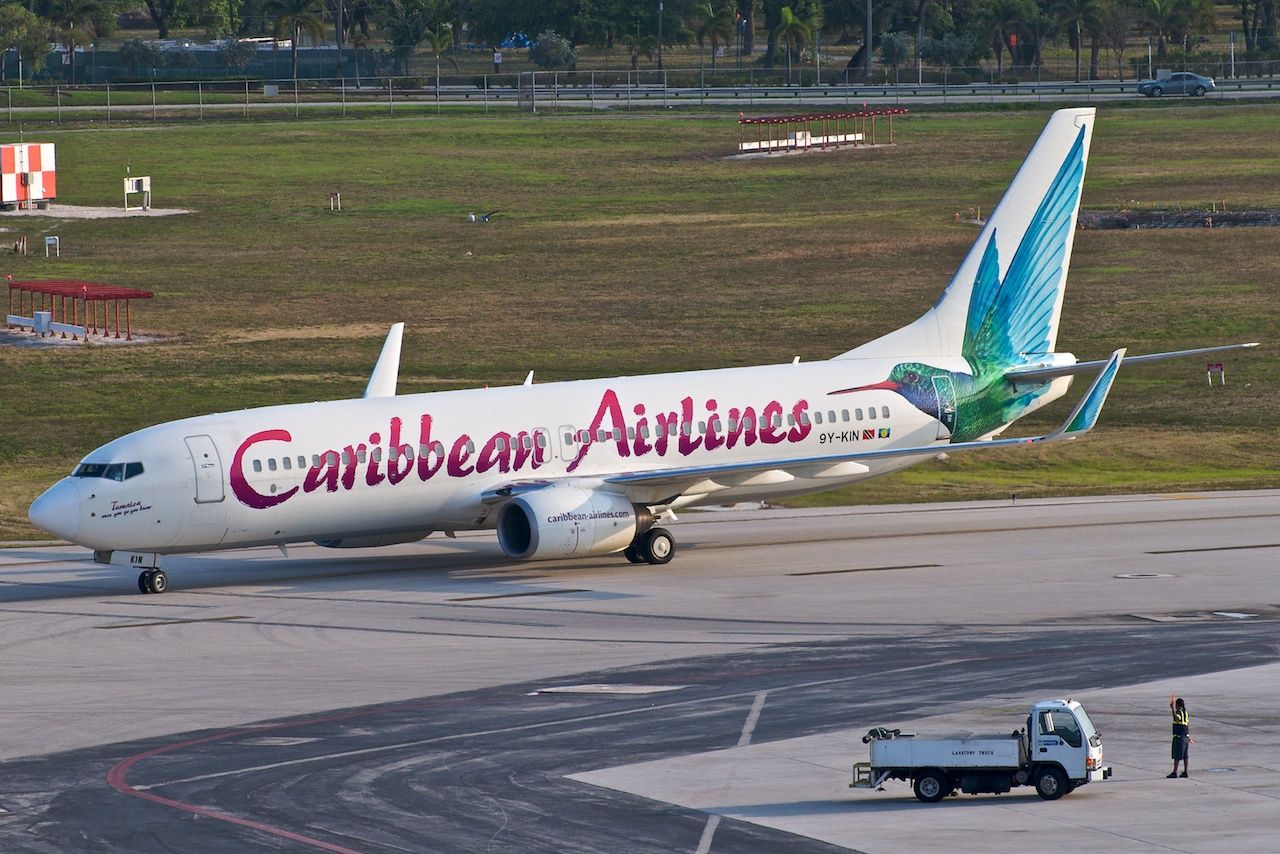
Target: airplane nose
<point x="58" y="510"/>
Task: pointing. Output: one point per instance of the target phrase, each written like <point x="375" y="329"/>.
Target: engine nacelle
<point x="564" y="521"/>
<point x="373" y="541"/>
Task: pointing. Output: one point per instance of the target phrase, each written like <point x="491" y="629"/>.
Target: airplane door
<point x="208" y="466"/>
<point x="945" y="390"/>
<point x="568" y="442"/>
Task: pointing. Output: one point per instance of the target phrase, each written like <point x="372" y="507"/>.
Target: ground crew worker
<point x="1181" y="735"/>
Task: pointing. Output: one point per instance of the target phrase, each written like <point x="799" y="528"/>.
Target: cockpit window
<point x="109" y="471"/>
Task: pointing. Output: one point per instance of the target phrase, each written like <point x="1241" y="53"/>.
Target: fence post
<point x="200" y="97"/>
<point x="342" y="85"/>
<point x="486" y="94"/>
<point x="593" y="89"/>
<point x="295" y="97"/>
<point x="58" y="92"/>
<point x="391" y="108"/>
<point x="153" y="100"/>
<point x="10" y="88"/>
<point x="664" y="88"/>
<point x="108" y="102"/>
<point x="246" y="97"/>
<point x="628" y="90"/>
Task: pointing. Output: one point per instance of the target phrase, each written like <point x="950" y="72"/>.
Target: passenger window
<point x="871" y="413"/>
<point x="631" y="433"/>
<point x="817" y="418"/>
<point x="617" y="435"/>
<point x="471" y="447"/>
<point x="315" y="461"/>
<point x="132" y="470"/>
<point x="423" y="450"/>
<point x="791" y="419"/>
<point x="408" y="452"/>
<point x="686" y="428"/>
<point x="748" y="424"/>
<point x="601" y="436"/>
<point x="857" y="413"/>
<point x="257" y="465"/>
<point x="362" y="455"/>
<point x="844" y="415"/>
<point x="831" y="416"/>
<point x="568" y="439"/>
<point x="671" y="429"/>
<point x="540" y="439"/>
<point x="271" y="464"/>
<point x="644" y="431"/>
<point x="377" y="455"/>
<point x="287" y="463"/>
<point x="346" y="458"/>
<point x="702" y="427"/>
<point x="733" y="425"/>
<point x="884" y="411"/>
<point x="584" y="436"/>
<point x="302" y="462"/>
<point x="501" y="443"/>
<point x="715" y="423"/>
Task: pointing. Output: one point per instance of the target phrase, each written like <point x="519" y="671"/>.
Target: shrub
<point x="553" y="51"/>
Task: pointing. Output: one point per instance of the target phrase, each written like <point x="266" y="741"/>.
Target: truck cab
<point x="1060" y="733"/>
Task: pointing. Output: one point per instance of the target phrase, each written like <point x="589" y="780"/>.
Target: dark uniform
<point x="1181" y="734"/>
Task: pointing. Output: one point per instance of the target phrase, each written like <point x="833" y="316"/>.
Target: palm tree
<point x="438" y="41"/>
<point x="638" y="46"/>
<point x="1076" y="16"/>
<point x="73" y="24"/>
<point x="793" y="31"/>
<point x="715" y="23"/>
<point x="298" y="18"/>
<point x="407" y="22"/>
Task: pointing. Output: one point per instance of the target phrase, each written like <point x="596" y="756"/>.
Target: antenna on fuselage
<point x="382" y="382"/>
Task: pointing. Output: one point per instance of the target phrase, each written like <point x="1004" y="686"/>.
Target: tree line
<point x="767" y="33"/>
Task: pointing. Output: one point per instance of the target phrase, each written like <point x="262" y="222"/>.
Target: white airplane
<point x="589" y="467"/>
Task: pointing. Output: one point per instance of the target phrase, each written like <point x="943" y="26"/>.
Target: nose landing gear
<point x="153" y="581"/>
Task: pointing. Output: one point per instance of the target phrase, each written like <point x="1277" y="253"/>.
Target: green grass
<point x="628" y="244"/>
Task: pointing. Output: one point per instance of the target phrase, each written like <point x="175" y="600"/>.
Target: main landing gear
<point x="655" y="546"/>
<point x="153" y="581"/>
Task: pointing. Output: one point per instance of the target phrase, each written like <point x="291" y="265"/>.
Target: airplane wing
<point x="1034" y="374"/>
<point x="663" y="486"/>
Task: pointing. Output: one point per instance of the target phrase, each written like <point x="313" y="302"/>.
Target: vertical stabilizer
<point x="1004" y="301"/>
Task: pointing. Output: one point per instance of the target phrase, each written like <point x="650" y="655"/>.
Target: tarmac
<point x="435" y="697"/>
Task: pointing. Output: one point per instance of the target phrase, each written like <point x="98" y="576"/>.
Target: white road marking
<point x="709" y="832"/>
<point x="753" y="717"/>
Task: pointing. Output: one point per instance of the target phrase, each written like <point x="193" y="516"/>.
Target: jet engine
<point x="565" y="520"/>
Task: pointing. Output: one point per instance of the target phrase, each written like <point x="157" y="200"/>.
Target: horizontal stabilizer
<point x="382" y="382"/>
<point x="1039" y="375"/>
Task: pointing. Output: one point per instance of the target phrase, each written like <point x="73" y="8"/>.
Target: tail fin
<point x="1005" y="299"/>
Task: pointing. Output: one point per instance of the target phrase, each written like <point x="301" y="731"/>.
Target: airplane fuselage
<point x="401" y="467"/>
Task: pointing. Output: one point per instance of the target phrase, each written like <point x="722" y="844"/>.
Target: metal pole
<point x="391" y="107"/>
<point x="108" y="102"/>
<point x="58" y="91"/>
<point x="486" y="93"/>
<point x="11" y="106"/>
<point x="200" y="96"/>
<point x="867" y="58"/>
<point x="295" y="97"/>
<point x="659" y="34"/>
<point x="153" y="100"/>
<point x="342" y="85"/>
<point x="593" y="90"/>
<point x="246" y="98"/>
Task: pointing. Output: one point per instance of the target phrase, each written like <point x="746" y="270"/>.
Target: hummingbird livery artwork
<point x="1011" y="321"/>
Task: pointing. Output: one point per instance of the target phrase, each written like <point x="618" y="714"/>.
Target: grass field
<point x="627" y="244"/>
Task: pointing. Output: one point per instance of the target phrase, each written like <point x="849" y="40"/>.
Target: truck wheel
<point x="931" y="786"/>
<point x="1051" y="784"/>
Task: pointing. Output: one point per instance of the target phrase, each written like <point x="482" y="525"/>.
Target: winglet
<point x="1085" y="415"/>
<point x="382" y="382"/>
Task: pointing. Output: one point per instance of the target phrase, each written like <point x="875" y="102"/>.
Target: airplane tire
<point x="159" y="581"/>
<point x="144" y="581"/>
<point x="632" y="555"/>
<point x="658" y="546"/>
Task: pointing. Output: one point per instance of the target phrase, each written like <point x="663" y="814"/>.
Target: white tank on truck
<point x="1058" y="750"/>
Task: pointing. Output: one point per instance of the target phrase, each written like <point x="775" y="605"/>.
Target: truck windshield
<point x="1087" y="727"/>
